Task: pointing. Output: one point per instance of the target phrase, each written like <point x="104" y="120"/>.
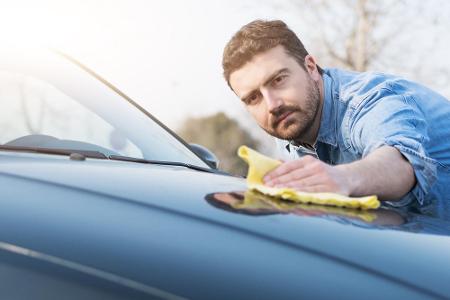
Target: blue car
<point x="99" y="200"/>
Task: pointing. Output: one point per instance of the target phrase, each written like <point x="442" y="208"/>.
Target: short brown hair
<point x="257" y="37"/>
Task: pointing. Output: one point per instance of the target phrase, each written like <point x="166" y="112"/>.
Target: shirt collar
<point x="327" y="130"/>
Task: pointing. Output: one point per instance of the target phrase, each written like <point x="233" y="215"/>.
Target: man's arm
<point x="384" y="172"/>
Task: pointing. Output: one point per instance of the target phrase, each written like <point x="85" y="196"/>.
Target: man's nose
<point x="273" y="100"/>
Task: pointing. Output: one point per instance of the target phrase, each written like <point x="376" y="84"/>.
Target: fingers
<point x="288" y="167"/>
<point x="314" y="189"/>
<point x="305" y="175"/>
<point x="301" y="176"/>
<point x="302" y="183"/>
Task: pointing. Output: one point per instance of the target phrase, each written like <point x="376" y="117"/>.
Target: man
<point x="367" y="133"/>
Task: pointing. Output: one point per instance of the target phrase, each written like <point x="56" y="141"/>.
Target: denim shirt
<point x="364" y="111"/>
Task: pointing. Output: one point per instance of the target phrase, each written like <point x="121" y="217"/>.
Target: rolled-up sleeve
<point x="390" y="119"/>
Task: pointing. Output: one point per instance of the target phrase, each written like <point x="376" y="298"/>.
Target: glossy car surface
<point x="122" y="209"/>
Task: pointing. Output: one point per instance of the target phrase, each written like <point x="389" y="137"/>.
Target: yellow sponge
<point x="259" y="165"/>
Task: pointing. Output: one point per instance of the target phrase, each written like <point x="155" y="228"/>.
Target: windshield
<point x="50" y="102"/>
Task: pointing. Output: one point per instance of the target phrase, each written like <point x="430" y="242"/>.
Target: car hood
<point x="393" y="252"/>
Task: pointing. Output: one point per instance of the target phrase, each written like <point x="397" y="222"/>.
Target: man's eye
<point x="251" y="99"/>
<point x="279" y="79"/>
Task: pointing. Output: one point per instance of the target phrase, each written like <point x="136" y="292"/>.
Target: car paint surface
<point x="152" y="225"/>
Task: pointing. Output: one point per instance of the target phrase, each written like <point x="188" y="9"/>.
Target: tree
<point x="379" y="35"/>
<point x="352" y="33"/>
<point x="223" y="136"/>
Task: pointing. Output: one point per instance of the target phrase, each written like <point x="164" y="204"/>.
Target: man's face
<point x="281" y="95"/>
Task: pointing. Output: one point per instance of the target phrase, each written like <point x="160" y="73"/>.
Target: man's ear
<point x="311" y="67"/>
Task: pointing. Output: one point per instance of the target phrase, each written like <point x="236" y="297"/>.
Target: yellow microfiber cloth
<point x="259" y="165"/>
<point x="254" y="200"/>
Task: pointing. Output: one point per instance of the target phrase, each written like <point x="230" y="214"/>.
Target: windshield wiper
<point x="67" y="152"/>
<point x="100" y="155"/>
<point x="165" y="163"/>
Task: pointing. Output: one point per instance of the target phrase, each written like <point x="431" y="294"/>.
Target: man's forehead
<point x="258" y="70"/>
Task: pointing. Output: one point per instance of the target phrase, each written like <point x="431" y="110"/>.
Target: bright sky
<point x="165" y="54"/>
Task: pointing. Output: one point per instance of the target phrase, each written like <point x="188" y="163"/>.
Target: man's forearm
<point x="384" y="172"/>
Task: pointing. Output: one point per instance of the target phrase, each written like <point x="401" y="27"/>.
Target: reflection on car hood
<point x="346" y="238"/>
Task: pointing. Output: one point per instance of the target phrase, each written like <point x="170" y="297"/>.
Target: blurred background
<point x="166" y="55"/>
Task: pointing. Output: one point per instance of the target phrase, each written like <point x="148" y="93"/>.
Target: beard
<point x="301" y="118"/>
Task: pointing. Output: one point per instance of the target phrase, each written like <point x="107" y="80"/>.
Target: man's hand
<point x="309" y="174"/>
<point x="385" y="172"/>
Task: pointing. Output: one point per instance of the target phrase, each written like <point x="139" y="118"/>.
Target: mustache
<point x="279" y="112"/>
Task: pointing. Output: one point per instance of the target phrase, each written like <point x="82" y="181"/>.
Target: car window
<point x="50" y="101"/>
<point x="34" y="107"/>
